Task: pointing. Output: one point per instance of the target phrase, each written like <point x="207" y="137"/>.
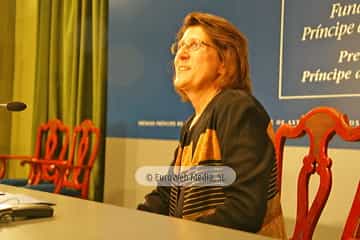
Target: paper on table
<point x="13" y="199"/>
<point x="5" y="206"/>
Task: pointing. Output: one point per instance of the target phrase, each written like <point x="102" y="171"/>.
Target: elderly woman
<point x="229" y="128"/>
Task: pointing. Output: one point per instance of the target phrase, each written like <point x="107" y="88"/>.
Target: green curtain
<point x="69" y="70"/>
<point x="71" y="66"/>
<point x="7" y="33"/>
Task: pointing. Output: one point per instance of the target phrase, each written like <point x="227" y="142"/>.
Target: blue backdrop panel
<point x="320" y="40"/>
<point x="141" y="99"/>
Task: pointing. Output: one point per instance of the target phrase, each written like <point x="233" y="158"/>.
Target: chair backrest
<point x="83" y="152"/>
<point x="352" y="225"/>
<point x="2" y="168"/>
<point x="52" y="143"/>
<point x="320" y="125"/>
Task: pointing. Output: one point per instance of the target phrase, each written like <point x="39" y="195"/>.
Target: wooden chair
<point x="320" y="125"/>
<point x="352" y="225"/>
<point x="52" y="142"/>
<point x="75" y="172"/>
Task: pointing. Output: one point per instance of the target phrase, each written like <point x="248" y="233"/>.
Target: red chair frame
<point x="52" y="141"/>
<point x="75" y="172"/>
<point x="320" y="124"/>
<point x="4" y="158"/>
<point x="83" y="153"/>
<point x="352" y="226"/>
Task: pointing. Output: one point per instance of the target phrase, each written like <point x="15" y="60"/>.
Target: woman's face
<point x="197" y="62"/>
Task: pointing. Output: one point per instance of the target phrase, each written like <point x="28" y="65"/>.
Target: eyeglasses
<point x="191" y="46"/>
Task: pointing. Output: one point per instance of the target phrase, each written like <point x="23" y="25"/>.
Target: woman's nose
<point x="183" y="54"/>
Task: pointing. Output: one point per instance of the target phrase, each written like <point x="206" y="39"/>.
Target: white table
<point x="82" y="219"/>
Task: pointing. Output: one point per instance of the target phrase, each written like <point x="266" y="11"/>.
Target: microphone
<point x="14" y="106"/>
